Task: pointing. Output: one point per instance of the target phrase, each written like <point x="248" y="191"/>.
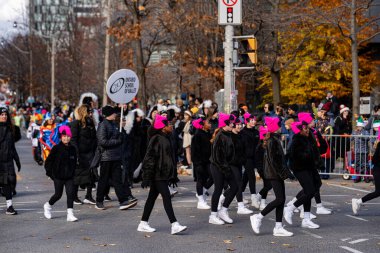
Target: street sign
<point x="229" y="12"/>
<point x="122" y="86"/>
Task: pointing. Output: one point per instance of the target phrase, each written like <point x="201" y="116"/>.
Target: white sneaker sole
<point x="88" y="202"/>
<point x="252" y="219"/>
<point x="145" y="230"/>
<point x="177" y="232"/>
<point x="311" y="227"/>
<point x="283" y="235"/>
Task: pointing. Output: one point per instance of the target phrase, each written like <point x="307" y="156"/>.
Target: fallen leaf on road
<point x="112" y="244"/>
<point x="147" y="236"/>
<point x="343" y="184"/>
<point x="229" y="226"/>
<point x="192" y="216"/>
<point x="231" y="249"/>
<point x="239" y="236"/>
<point x="285" y="244"/>
<point x="227" y="241"/>
<point x="273" y="242"/>
<point x="67" y="246"/>
<point x="48" y="238"/>
<point x="86" y="238"/>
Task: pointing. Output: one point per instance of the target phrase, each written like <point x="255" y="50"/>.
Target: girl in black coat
<point x="84" y="141"/>
<point x="60" y="166"/>
<point x="159" y="170"/>
<point x="8" y="154"/>
<point x="356" y="203"/>
<point x="200" y="155"/>
<point x="276" y="172"/>
<point x="222" y="153"/>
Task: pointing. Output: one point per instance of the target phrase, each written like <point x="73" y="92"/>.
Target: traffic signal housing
<point x="248" y="52"/>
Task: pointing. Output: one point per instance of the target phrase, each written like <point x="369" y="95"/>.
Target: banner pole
<point x="121" y="117"/>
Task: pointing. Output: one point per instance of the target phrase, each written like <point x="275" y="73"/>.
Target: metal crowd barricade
<point x="349" y="156"/>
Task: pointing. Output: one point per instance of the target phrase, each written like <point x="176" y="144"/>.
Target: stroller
<point x="350" y="168"/>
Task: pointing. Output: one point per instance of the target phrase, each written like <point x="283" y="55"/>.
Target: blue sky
<point x="10" y="11"/>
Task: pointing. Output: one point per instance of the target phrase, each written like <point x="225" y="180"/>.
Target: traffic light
<point x="230" y="15"/>
<point x="248" y="54"/>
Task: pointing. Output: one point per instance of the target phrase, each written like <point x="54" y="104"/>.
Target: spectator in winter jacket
<point x="360" y="145"/>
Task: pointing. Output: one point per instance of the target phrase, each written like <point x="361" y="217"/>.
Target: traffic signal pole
<point x="228" y="69"/>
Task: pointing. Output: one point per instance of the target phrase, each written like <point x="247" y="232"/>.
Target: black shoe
<point x="132" y="199"/>
<point x="11" y="211"/>
<point x="107" y="198"/>
<point x="89" y="200"/>
<point x="77" y="201"/>
<point x="127" y="204"/>
<point x="99" y="206"/>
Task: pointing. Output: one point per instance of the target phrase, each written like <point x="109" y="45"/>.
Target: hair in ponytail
<point x="214" y="135"/>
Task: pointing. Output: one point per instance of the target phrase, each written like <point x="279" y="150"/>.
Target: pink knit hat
<point x="305" y="116"/>
<point x="263" y="131"/>
<point x="272" y="124"/>
<point x="247" y="116"/>
<point x="224" y="120"/>
<point x="65" y="130"/>
<point x="198" y="123"/>
<point x="296" y="127"/>
<point x="160" y="122"/>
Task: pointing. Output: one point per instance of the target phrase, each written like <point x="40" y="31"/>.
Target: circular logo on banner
<point x="230" y="2"/>
<point x="122" y="86"/>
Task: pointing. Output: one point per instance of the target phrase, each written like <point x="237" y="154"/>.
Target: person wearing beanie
<point x="250" y="138"/>
<point x="110" y="141"/>
<point x="60" y="167"/>
<point x="302" y="157"/>
<point x="159" y="170"/>
<point x="342" y="127"/>
<point x="275" y="171"/>
<point x="222" y="153"/>
<point x="8" y="154"/>
<point x="357" y="203"/>
<point x="200" y="155"/>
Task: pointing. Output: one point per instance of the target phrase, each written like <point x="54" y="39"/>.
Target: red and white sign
<point x="230" y="3"/>
<point x="230" y="12"/>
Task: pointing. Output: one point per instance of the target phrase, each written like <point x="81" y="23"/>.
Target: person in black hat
<point x="110" y="141"/>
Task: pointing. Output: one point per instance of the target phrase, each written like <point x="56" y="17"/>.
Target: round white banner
<point x="122" y="86"/>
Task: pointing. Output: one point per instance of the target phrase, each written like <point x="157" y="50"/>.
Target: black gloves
<point x="173" y="182"/>
<point x="18" y="164"/>
<point x="145" y="184"/>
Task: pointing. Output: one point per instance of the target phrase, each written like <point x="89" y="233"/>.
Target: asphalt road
<point x="113" y="230"/>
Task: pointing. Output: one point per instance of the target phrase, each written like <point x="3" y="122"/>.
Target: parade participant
<point x="187" y="137"/>
<point x="91" y="100"/>
<point x="302" y="159"/>
<point x="159" y="170"/>
<point x="8" y="154"/>
<point x="33" y="134"/>
<point x="276" y="172"/>
<point x="356" y="203"/>
<point x="110" y="140"/>
<point x="200" y="155"/>
<point x="222" y="153"/>
<point x="60" y="166"/>
<point x="46" y="134"/>
<point x="84" y="141"/>
<point x="250" y="137"/>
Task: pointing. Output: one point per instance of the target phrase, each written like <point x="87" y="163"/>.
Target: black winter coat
<point x="201" y="148"/>
<point x="259" y="159"/>
<point x="301" y="153"/>
<point x="8" y="154"/>
<point x="159" y="161"/>
<point x="376" y="157"/>
<point x="222" y="152"/>
<point x="239" y="158"/>
<point x="110" y="141"/>
<point x="85" y="144"/>
<point x="62" y="162"/>
<point x="274" y="159"/>
<point x="250" y="137"/>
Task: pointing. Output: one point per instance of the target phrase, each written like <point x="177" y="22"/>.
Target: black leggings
<point x="159" y="187"/>
<point x="376" y="193"/>
<point x="7" y="190"/>
<point x="266" y="188"/>
<point x="219" y="180"/>
<point x="306" y="180"/>
<point x="249" y="176"/>
<point x="88" y="191"/>
<point x="238" y="175"/>
<point x="70" y="191"/>
<point x="279" y="202"/>
<point x="204" y="179"/>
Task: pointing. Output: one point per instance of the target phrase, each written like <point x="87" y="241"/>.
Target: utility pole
<point x="106" y="53"/>
<point x="228" y="71"/>
<point x="53" y="45"/>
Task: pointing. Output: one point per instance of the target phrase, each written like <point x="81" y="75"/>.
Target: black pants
<point x="7" y="191"/>
<point x="376" y="193"/>
<point x="88" y="191"/>
<point x="70" y="191"/>
<point x="111" y="170"/>
<point x="266" y="188"/>
<point x="219" y="180"/>
<point x="306" y="179"/>
<point x="249" y="176"/>
<point x="279" y="202"/>
<point x="317" y="183"/>
<point x="159" y="187"/>
<point x="204" y="179"/>
<point x="238" y="175"/>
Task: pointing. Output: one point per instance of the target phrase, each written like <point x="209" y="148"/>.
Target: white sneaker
<point x="70" y="215"/>
<point x="302" y="215"/>
<point x="222" y="214"/>
<point x="290" y="203"/>
<point x="306" y="223"/>
<point x="323" y="210"/>
<point x="47" y="210"/>
<point x="355" y="206"/>
<point x="144" y="227"/>
<point x="255" y="223"/>
<point x="288" y="214"/>
<point x="203" y="205"/>
<point x="262" y="206"/>
<point x="213" y="219"/>
<point x="245" y="201"/>
<point x="281" y="232"/>
<point x="255" y="198"/>
<point x="221" y="201"/>
<point x="244" y="210"/>
<point x="177" y="228"/>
